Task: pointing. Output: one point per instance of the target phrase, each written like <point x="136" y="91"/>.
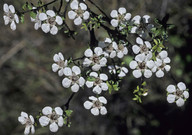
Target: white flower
<point x="121" y="71"/>
<point x="120" y="18"/>
<point x="52" y="116"/>
<point x="98" y="81"/>
<point x="141" y="26"/>
<point x="142" y="65"/>
<point x="73" y="79"/>
<point x="143" y="47"/>
<point x="37" y="21"/>
<point x="96" y="59"/>
<point x="10" y="16"/>
<point x="28" y="121"/>
<point x="109" y="47"/>
<point x="50" y="21"/>
<point x="161" y="64"/>
<point x="96" y="105"/>
<point x="112" y="49"/>
<point x="177" y="94"/>
<point x="60" y="64"/>
<point x="78" y="12"/>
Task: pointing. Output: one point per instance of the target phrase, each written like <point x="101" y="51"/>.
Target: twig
<point x="66" y="105"/>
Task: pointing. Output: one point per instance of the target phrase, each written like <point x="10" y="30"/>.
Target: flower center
<point x="28" y="122"/>
<point x="120" y="17"/>
<point x="144" y="48"/>
<point x="142" y="65"/>
<point x="121" y="47"/>
<point x="79" y="12"/>
<point x="10" y="15"/>
<point x="98" y="81"/>
<point x="61" y="63"/>
<point x="53" y="117"/>
<point x="97" y="104"/>
<point x="95" y="59"/>
<point x="179" y="92"/>
<point x="74" y="78"/>
<point x="51" y="21"/>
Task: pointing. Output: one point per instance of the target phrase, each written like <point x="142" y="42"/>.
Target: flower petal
<point x="67" y="71"/>
<point x="75" y="87"/>
<point x="137" y="73"/>
<point x="136" y="49"/>
<point x="103" y="110"/>
<point x="98" y="51"/>
<point x="12" y="9"/>
<point x="114" y="22"/>
<point x="181" y="86"/>
<point x="83" y="6"/>
<point x="93" y="98"/>
<point x="66" y="83"/>
<point x="127" y="16"/>
<point x="47" y="110"/>
<point x="81" y="81"/>
<point x="96" y="67"/>
<point x="159" y="73"/>
<point x="114" y="13"/>
<point x="86" y="15"/>
<point x="5" y="8"/>
<point x="13" y="25"/>
<point x="74" y="4"/>
<point x="97" y="89"/>
<point x="139" y="41"/>
<point x="78" y="21"/>
<point x="133" y="64"/>
<point x="95" y="111"/>
<point x="59" y="111"/>
<point x="102" y="100"/>
<point x="53" y="127"/>
<point x="104" y="86"/>
<point x="54" y="30"/>
<point x="147" y="73"/>
<point x="122" y="10"/>
<point x="171" y="88"/>
<point x="45" y="27"/>
<point x="27" y="130"/>
<point x="42" y="16"/>
<point x="59" y="20"/>
<point x="50" y="13"/>
<point x="89" y="84"/>
<point x="180" y="102"/>
<point x="171" y="98"/>
<point x="60" y="121"/>
<point x="186" y="94"/>
<point x="88" y="104"/>
<point x="44" y="121"/>
<point x="72" y="15"/>
<point x="88" y="53"/>
<point x="76" y="70"/>
<point x="103" y="77"/>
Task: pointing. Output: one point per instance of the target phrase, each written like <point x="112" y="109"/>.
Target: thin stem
<point x="66" y="105"/>
<point x="39" y="7"/>
<point x="61" y="4"/>
<point x="99" y="9"/>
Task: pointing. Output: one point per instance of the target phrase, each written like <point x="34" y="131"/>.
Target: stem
<point x="99" y="9"/>
<point x="39" y="7"/>
<point x="68" y="102"/>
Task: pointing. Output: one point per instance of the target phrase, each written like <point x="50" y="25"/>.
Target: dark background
<point x="28" y="84"/>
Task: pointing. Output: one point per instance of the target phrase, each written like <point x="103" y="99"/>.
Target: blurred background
<point x="28" y="84"/>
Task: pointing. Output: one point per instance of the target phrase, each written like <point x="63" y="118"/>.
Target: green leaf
<point x="22" y="18"/>
<point x="68" y="113"/>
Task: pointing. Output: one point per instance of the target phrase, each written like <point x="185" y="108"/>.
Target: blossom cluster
<point x="51" y="116"/>
<point x="108" y="56"/>
<point x="144" y="64"/>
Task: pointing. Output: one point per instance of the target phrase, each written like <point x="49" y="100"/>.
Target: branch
<point x="38" y="7"/>
<point x="66" y="105"/>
